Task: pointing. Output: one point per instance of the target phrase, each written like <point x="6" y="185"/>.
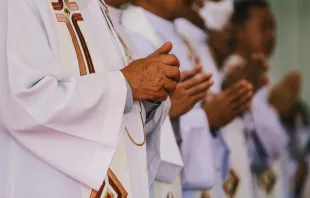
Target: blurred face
<point x="116" y="3"/>
<point x="258" y="32"/>
<point x="223" y="41"/>
<point x="173" y="8"/>
<point x="200" y="3"/>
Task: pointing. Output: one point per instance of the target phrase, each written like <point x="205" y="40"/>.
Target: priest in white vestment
<point x="156" y="141"/>
<point x="268" y="139"/>
<point x="163" y="155"/>
<point x="71" y="122"/>
<point x="212" y="57"/>
<point x="148" y="31"/>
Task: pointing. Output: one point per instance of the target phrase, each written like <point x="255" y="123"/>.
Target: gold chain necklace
<point x="130" y="59"/>
<point x="192" y="55"/>
<point x="131" y="139"/>
<point x="105" y="10"/>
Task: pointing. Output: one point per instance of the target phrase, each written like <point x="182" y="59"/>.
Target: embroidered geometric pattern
<point x="231" y="183"/>
<point x="268" y="180"/>
<point x="111" y="188"/>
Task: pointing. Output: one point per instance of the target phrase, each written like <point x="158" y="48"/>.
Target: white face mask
<point x="216" y="14"/>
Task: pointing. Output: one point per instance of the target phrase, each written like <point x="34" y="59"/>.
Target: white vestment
<point x="156" y="141"/>
<point x="167" y="180"/>
<point x="197" y="39"/>
<point x="148" y="32"/>
<point x="64" y="132"/>
<point x="4" y="142"/>
<point x="272" y="138"/>
<point x="162" y="150"/>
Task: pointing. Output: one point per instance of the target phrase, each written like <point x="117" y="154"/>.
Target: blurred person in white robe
<point x="150" y="25"/>
<point x="213" y="49"/>
<point x="193" y="167"/>
<point x="71" y="116"/>
<point x="167" y="161"/>
<point x="255" y="40"/>
<point x="297" y="126"/>
<point x="154" y="140"/>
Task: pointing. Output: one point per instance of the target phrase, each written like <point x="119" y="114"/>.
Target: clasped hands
<point x="158" y="76"/>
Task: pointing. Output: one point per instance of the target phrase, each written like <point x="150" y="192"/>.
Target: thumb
<point x="164" y="49"/>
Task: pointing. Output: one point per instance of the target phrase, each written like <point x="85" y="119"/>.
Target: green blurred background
<point x="293" y="41"/>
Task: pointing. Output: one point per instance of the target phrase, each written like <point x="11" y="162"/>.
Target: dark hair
<point x="242" y="10"/>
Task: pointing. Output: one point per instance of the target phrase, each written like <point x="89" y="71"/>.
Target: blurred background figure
<point x="236" y="43"/>
<point x="211" y="38"/>
<point x="291" y="53"/>
<point x="256" y="33"/>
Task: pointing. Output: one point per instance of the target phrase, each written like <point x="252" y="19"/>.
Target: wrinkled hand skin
<point x="285" y="93"/>
<point x="223" y="107"/>
<point x="254" y="71"/>
<point x="154" y="77"/>
<point x="192" y="89"/>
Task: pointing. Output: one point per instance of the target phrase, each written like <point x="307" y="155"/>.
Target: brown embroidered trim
<point x="114" y="183"/>
<point x="267" y="181"/>
<point x="71" y="5"/>
<point x="75" y="18"/>
<point x="58" y="5"/>
<point x="231" y="183"/>
<point x="64" y="19"/>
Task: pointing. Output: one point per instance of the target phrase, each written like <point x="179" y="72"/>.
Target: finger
<point x="237" y="97"/>
<point x="245" y="98"/>
<point x="170" y="86"/>
<point x="198" y="97"/>
<point x="202" y="87"/>
<point x="189" y="74"/>
<point x="170" y="59"/>
<point x="243" y="108"/>
<point x="199" y="78"/>
<point x="259" y="59"/>
<point x="235" y="87"/>
<point x="164" y="49"/>
<point x="161" y="95"/>
<point x="173" y="73"/>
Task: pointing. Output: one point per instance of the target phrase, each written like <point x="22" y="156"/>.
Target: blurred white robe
<point x="167" y="180"/>
<point x="197" y="39"/>
<point x="157" y="142"/>
<point x="272" y="137"/>
<point x="236" y="165"/>
<point x="67" y="127"/>
<point x="162" y="150"/>
<point x="4" y="141"/>
<point x="148" y="32"/>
